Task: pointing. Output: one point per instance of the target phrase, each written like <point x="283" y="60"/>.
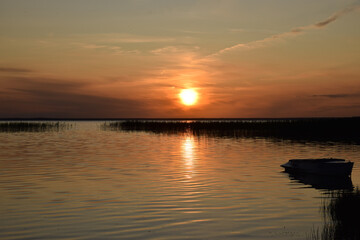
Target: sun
<point x="188" y="96"/>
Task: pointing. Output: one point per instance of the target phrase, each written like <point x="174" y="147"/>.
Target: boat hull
<point x="320" y="166"/>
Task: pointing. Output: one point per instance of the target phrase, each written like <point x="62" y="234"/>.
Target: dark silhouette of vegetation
<point x="32" y="126"/>
<point x="341" y="213"/>
<point x="312" y="129"/>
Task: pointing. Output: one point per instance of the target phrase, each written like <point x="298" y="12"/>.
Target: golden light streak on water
<point x="188" y="153"/>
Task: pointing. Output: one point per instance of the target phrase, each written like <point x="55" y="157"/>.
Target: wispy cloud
<point x="14" y="70"/>
<point x="141" y="39"/>
<point x="113" y="43"/>
<point x="240" y="30"/>
<point x="335" y="16"/>
<point x="42" y="97"/>
<point x="339" y="95"/>
<point x="292" y="33"/>
<point x="116" y="50"/>
<point x="113" y="38"/>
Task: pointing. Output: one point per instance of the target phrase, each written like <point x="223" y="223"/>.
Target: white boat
<point x="325" y="166"/>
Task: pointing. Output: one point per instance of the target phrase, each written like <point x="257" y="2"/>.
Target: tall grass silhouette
<point x="317" y="129"/>
<point x="341" y="215"/>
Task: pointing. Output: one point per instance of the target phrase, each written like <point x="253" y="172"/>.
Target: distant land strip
<point x="175" y="119"/>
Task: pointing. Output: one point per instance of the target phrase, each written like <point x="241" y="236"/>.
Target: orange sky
<point x="102" y="59"/>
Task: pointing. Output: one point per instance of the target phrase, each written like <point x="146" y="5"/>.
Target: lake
<point x="88" y="183"/>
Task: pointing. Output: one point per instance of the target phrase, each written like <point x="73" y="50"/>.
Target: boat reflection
<point x="340" y="206"/>
<point x="323" y="182"/>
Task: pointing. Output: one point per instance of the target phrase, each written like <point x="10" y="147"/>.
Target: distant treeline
<point x="32" y="126"/>
<point x="317" y="129"/>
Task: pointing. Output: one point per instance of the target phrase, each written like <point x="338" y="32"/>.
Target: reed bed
<point x="33" y="126"/>
<point x="335" y="129"/>
<point x="341" y="216"/>
<point x="344" y="212"/>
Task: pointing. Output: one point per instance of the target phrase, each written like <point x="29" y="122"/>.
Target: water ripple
<point x="90" y="184"/>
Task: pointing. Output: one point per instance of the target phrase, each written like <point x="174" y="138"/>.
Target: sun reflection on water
<point x="188" y="155"/>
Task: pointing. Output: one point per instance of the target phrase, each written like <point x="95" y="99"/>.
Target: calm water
<point x="86" y="183"/>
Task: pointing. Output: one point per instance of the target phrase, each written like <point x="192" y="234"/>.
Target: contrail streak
<point x="293" y="32"/>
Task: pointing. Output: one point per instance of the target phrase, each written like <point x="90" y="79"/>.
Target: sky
<point x="132" y="58"/>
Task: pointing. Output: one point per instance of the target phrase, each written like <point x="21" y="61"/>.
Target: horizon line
<point x="115" y="119"/>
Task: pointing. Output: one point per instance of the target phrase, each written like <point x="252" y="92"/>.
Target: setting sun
<point x="188" y="96"/>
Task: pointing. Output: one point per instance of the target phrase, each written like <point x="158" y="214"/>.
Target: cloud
<point x="175" y="51"/>
<point x="166" y="50"/>
<point x="335" y="16"/>
<point x="237" y="30"/>
<point x="111" y="42"/>
<point x="121" y="38"/>
<point x="14" y="70"/>
<point x="41" y="97"/>
<point x="258" y="43"/>
<point x="40" y="83"/>
<point x="293" y="32"/>
<point x="116" y="50"/>
<point x="70" y="104"/>
<point x="141" y="39"/>
<point x="340" y="95"/>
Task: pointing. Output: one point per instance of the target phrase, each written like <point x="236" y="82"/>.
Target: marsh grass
<point x="33" y="126"/>
<point x="341" y="216"/>
<point x="329" y="129"/>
